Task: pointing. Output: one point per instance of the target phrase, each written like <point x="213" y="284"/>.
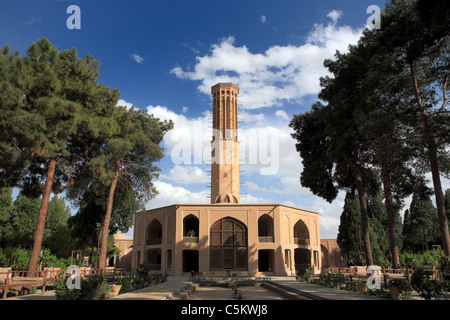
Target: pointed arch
<point x="301" y="233"/>
<point x="154" y="233"/>
<point x="265" y="228"/>
<point x="228" y="245"/>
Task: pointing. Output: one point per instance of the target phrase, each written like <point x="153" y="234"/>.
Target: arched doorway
<point x="266" y="260"/>
<point x="154" y="259"/>
<point x="302" y="258"/>
<point x="190" y="260"/>
<point x="228" y="245"/>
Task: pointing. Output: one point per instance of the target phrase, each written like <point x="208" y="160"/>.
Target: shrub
<point x="304" y="274"/>
<point x="90" y="288"/>
<point x="404" y="287"/>
<point x="412" y="260"/>
<point x="332" y="280"/>
<point x="426" y="287"/>
<point x="444" y="269"/>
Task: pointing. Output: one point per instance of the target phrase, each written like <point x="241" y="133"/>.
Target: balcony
<point x="153" y="241"/>
<point x="300" y="241"/>
<point x="190" y="239"/>
<point x="266" y="239"/>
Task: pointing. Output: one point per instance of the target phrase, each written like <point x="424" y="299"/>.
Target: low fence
<point x="387" y="274"/>
<point x="18" y="280"/>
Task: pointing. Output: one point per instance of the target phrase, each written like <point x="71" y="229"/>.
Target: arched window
<point x="265" y="228"/>
<point x="228" y="245"/>
<point x="154" y="233"/>
<point x="301" y="233"/>
<point x="190" y="229"/>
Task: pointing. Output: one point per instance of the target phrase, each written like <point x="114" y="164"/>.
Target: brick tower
<point x="225" y="174"/>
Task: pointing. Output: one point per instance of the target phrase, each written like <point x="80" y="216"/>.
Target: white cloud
<point x="263" y="19"/>
<point x="185" y="109"/>
<point x="123" y="103"/>
<point x="281" y="73"/>
<point x="334" y="15"/>
<point x="137" y="58"/>
<point x="187" y="175"/>
<point x="170" y="194"/>
<point x="282" y="114"/>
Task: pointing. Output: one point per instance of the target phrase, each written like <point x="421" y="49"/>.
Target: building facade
<point x="227" y="237"/>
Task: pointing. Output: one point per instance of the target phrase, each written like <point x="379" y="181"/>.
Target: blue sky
<point x="165" y="55"/>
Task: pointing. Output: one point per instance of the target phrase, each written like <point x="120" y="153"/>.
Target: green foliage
<point x="19" y="258"/>
<point x="16" y="258"/>
<point x="90" y="288"/>
<point x="93" y="208"/>
<point x="143" y="277"/>
<point x="426" y="287"/>
<point x="50" y="260"/>
<point x="18" y="230"/>
<point x="20" y="227"/>
<point x="350" y="235"/>
<point x="404" y="286"/>
<point x="6" y="205"/>
<point x="55" y="113"/>
<point x="304" y="273"/>
<point x="349" y="232"/>
<point x="332" y="280"/>
<point x="412" y="260"/>
<point x="444" y="269"/>
<point x="421" y="227"/>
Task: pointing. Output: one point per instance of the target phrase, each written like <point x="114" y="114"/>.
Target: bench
<point x="16" y="281"/>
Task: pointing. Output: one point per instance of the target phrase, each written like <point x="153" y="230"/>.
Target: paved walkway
<point x="160" y="291"/>
<point x="48" y="295"/>
<point x="321" y="292"/>
<point x="164" y="290"/>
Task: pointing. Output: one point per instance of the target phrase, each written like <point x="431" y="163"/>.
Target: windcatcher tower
<point x="225" y="174"/>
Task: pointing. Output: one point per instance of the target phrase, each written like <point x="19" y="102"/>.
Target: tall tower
<point x="225" y="174"/>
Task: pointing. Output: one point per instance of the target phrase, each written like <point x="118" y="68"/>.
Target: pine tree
<point x="21" y="226"/>
<point x="129" y="155"/>
<point x="6" y="204"/>
<point x="421" y="223"/>
<point x="349" y="232"/>
<point x="416" y="31"/>
<point x="55" y="114"/>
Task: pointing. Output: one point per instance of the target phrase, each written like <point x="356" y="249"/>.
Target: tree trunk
<point x="434" y="165"/>
<point x="385" y="177"/>
<point x="364" y="217"/>
<point x="41" y="219"/>
<point x="101" y="263"/>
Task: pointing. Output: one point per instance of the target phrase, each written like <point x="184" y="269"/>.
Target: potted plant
<point x="398" y="288"/>
<point x="114" y="290"/>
